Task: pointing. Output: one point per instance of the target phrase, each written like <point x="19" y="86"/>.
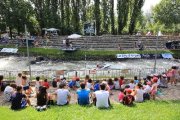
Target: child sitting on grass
<point x="128" y="98"/>
<point x="9" y="91"/>
<point x="116" y="84"/>
<point x="89" y="85"/>
<point x="38" y="84"/>
<point x="45" y="84"/>
<point x="42" y="99"/>
<point x="19" y="100"/>
<point x="154" y="88"/>
<point x="96" y="86"/>
<point x="121" y="95"/>
<point x="131" y="84"/>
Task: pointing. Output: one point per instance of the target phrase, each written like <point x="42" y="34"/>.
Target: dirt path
<point x="170" y="93"/>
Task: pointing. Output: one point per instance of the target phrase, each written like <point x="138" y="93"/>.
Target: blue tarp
<point x="167" y="55"/>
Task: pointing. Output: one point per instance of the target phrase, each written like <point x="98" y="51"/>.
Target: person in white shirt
<point x="147" y="90"/>
<point x="18" y="80"/>
<point x="101" y="97"/>
<point x="63" y="95"/>
<point x="89" y="84"/>
<point x="138" y="93"/>
<point x="116" y="84"/>
<point x="9" y="91"/>
<point x="131" y="84"/>
<point x="38" y="84"/>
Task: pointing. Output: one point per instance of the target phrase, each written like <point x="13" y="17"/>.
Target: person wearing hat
<point x="128" y="98"/>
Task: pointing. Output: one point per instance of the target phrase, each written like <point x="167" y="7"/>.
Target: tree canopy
<point x="70" y="15"/>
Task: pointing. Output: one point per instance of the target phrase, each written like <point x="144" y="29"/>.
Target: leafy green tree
<point x="97" y="16"/>
<point x="112" y="16"/>
<point x="167" y="12"/>
<point x="105" y="15"/>
<point x="123" y="10"/>
<point x="135" y="11"/>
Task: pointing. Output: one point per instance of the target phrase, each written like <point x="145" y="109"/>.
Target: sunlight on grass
<point x="151" y="110"/>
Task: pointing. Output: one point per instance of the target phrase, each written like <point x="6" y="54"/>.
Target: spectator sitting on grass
<point x="19" y="80"/>
<point x="136" y="81"/>
<point x="89" y="84"/>
<point x="45" y="84"/>
<point x="138" y="93"/>
<point x="25" y="83"/>
<point x="121" y="81"/>
<point x="154" y="88"/>
<point x="19" y="100"/>
<point x="116" y="84"/>
<point x="83" y="95"/>
<point x="131" y="84"/>
<point x="63" y="95"/>
<point x="96" y="86"/>
<point x="101" y="97"/>
<point x="121" y="95"/>
<point x="147" y="90"/>
<point x="38" y="84"/>
<point x="72" y="83"/>
<point x="42" y="99"/>
<point x="9" y="91"/>
<point x="128" y="98"/>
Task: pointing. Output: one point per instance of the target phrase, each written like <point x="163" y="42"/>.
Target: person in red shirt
<point x="128" y="98"/>
<point x="45" y="83"/>
<point x="121" y="81"/>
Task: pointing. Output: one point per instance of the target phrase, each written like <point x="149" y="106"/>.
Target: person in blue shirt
<point x="96" y="86"/>
<point x="83" y="95"/>
<point x="136" y="81"/>
<point x="72" y="83"/>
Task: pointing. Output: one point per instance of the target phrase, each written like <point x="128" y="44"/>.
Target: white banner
<point x="128" y="56"/>
<point x="9" y="50"/>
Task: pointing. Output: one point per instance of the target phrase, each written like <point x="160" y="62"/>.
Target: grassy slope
<point x="91" y="54"/>
<point x="151" y="110"/>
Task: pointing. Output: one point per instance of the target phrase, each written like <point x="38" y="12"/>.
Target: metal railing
<point x="94" y="74"/>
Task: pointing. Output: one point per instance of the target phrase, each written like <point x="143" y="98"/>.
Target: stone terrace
<point x="110" y="42"/>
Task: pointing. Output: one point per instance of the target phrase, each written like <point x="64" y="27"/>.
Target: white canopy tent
<point x="74" y="36"/>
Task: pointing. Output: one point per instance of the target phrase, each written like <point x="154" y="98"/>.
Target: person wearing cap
<point x="128" y="98"/>
<point x="101" y="97"/>
<point x="154" y="88"/>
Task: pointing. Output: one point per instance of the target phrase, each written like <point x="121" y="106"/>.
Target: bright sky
<point x="147" y="5"/>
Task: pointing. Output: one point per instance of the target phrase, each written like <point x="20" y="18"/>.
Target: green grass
<point x="151" y="110"/>
<point x="105" y="55"/>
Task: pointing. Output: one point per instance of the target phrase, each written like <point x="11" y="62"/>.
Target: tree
<point x="135" y="11"/>
<point x="123" y="10"/>
<point x="105" y="15"/>
<point x="75" y="15"/>
<point x="112" y="16"/>
<point x="168" y="9"/>
<point x="97" y="16"/>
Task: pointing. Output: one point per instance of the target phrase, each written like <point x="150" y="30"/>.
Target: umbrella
<point x="74" y="36"/>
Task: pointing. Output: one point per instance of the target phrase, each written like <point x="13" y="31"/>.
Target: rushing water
<point x="20" y="64"/>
